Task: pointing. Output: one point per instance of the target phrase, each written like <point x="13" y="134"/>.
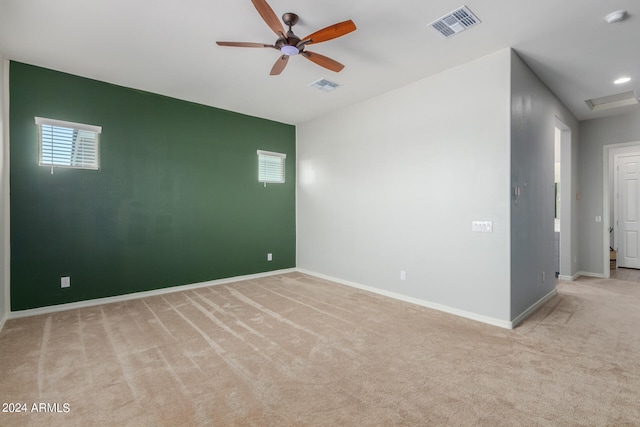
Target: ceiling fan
<point x="289" y="44"/>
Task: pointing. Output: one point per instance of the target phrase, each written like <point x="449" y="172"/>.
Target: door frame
<point x="617" y="156"/>
<point x="566" y="200"/>
<point x="608" y="157"/>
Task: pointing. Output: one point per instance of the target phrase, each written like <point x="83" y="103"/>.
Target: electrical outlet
<point x="482" y="226"/>
<point x="65" y="282"/>
<point x="269" y="257"/>
<point x="403" y="275"/>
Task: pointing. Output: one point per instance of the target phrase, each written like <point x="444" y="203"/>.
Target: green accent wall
<point x="176" y="200"/>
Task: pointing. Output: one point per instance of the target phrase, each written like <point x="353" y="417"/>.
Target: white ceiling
<point x="168" y="47"/>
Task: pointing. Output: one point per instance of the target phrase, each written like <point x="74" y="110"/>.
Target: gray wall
<point x="4" y="194"/>
<point x="534" y="109"/>
<point x="594" y="136"/>
<point x="394" y="183"/>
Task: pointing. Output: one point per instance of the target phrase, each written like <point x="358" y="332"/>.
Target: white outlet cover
<point x="269" y="257"/>
<point x="482" y="226"/>
<point x="65" y="282"/>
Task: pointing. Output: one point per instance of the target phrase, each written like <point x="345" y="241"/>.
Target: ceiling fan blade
<point x="331" y="32"/>
<point x="269" y="16"/>
<point x="279" y="65"/>
<point x="323" y="61"/>
<point x="244" y="44"/>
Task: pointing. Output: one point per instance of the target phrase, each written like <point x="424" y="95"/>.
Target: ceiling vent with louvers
<point x="613" y="101"/>
<point x="455" y="22"/>
<point x="324" y="85"/>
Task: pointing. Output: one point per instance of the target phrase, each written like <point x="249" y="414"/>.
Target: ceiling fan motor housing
<point x="291" y="41"/>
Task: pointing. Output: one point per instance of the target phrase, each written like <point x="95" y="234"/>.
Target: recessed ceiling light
<point x="622" y="80"/>
<point x="616" y="16"/>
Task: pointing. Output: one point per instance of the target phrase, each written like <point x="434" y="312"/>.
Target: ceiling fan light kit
<point x="289" y="50"/>
<point x="291" y="45"/>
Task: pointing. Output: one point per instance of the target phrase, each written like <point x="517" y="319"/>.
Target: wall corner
<point x="4" y="191"/>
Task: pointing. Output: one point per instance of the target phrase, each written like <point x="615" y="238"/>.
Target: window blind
<point x="271" y="167"/>
<point x="68" y="144"/>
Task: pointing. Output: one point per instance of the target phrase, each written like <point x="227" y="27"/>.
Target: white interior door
<point x="628" y="212"/>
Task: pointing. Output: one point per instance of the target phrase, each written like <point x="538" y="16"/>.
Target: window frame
<point x="264" y="177"/>
<point x="96" y="130"/>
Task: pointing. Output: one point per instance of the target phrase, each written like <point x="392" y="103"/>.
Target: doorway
<point x="562" y="184"/>
<point x="625" y="228"/>
<point x="611" y="237"/>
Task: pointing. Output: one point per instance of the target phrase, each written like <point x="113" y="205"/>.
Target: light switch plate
<point x="65" y="282"/>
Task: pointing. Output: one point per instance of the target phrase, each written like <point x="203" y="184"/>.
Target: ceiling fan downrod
<point x="290" y="44"/>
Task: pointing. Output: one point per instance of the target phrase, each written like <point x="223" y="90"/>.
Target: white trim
<point x="137" y="295"/>
<point x="67" y="149"/>
<point x="606" y="151"/>
<point x="590" y="274"/>
<point x="569" y="278"/>
<point x="566" y="186"/>
<point x="515" y="322"/>
<point x="62" y="123"/>
<point x="460" y="313"/>
<point x="5" y="204"/>
<point x="270" y="174"/>
<point x="615" y="155"/>
<point x="605" y="212"/>
<point x="271" y="153"/>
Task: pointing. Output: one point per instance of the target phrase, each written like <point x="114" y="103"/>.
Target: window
<point x="67" y="144"/>
<point x="270" y="167"/>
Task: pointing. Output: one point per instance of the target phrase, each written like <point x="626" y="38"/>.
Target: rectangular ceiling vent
<point x="613" y="101"/>
<point x="324" y="85"/>
<point x="455" y="22"/>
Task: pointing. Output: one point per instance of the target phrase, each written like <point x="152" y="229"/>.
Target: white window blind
<point x="271" y="167"/>
<point x="68" y="144"/>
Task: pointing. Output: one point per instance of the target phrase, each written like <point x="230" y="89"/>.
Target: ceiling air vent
<point x="613" y="101"/>
<point x="324" y="85"/>
<point x="455" y="22"/>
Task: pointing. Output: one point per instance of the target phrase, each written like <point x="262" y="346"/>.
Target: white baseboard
<point x="581" y="273"/>
<point x="589" y="274"/>
<point x="515" y="322"/>
<point x="461" y="313"/>
<point x="136" y="295"/>
<point x="446" y="309"/>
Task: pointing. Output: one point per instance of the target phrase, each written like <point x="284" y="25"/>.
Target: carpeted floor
<point x="296" y="350"/>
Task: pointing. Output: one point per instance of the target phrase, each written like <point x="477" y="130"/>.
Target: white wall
<point x="534" y="110"/>
<point x="594" y="135"/>
<point x="394" y="183"/>
<point x="4" y="196"/>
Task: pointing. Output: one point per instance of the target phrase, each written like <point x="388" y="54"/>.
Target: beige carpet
<point x="295" y="350"/>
